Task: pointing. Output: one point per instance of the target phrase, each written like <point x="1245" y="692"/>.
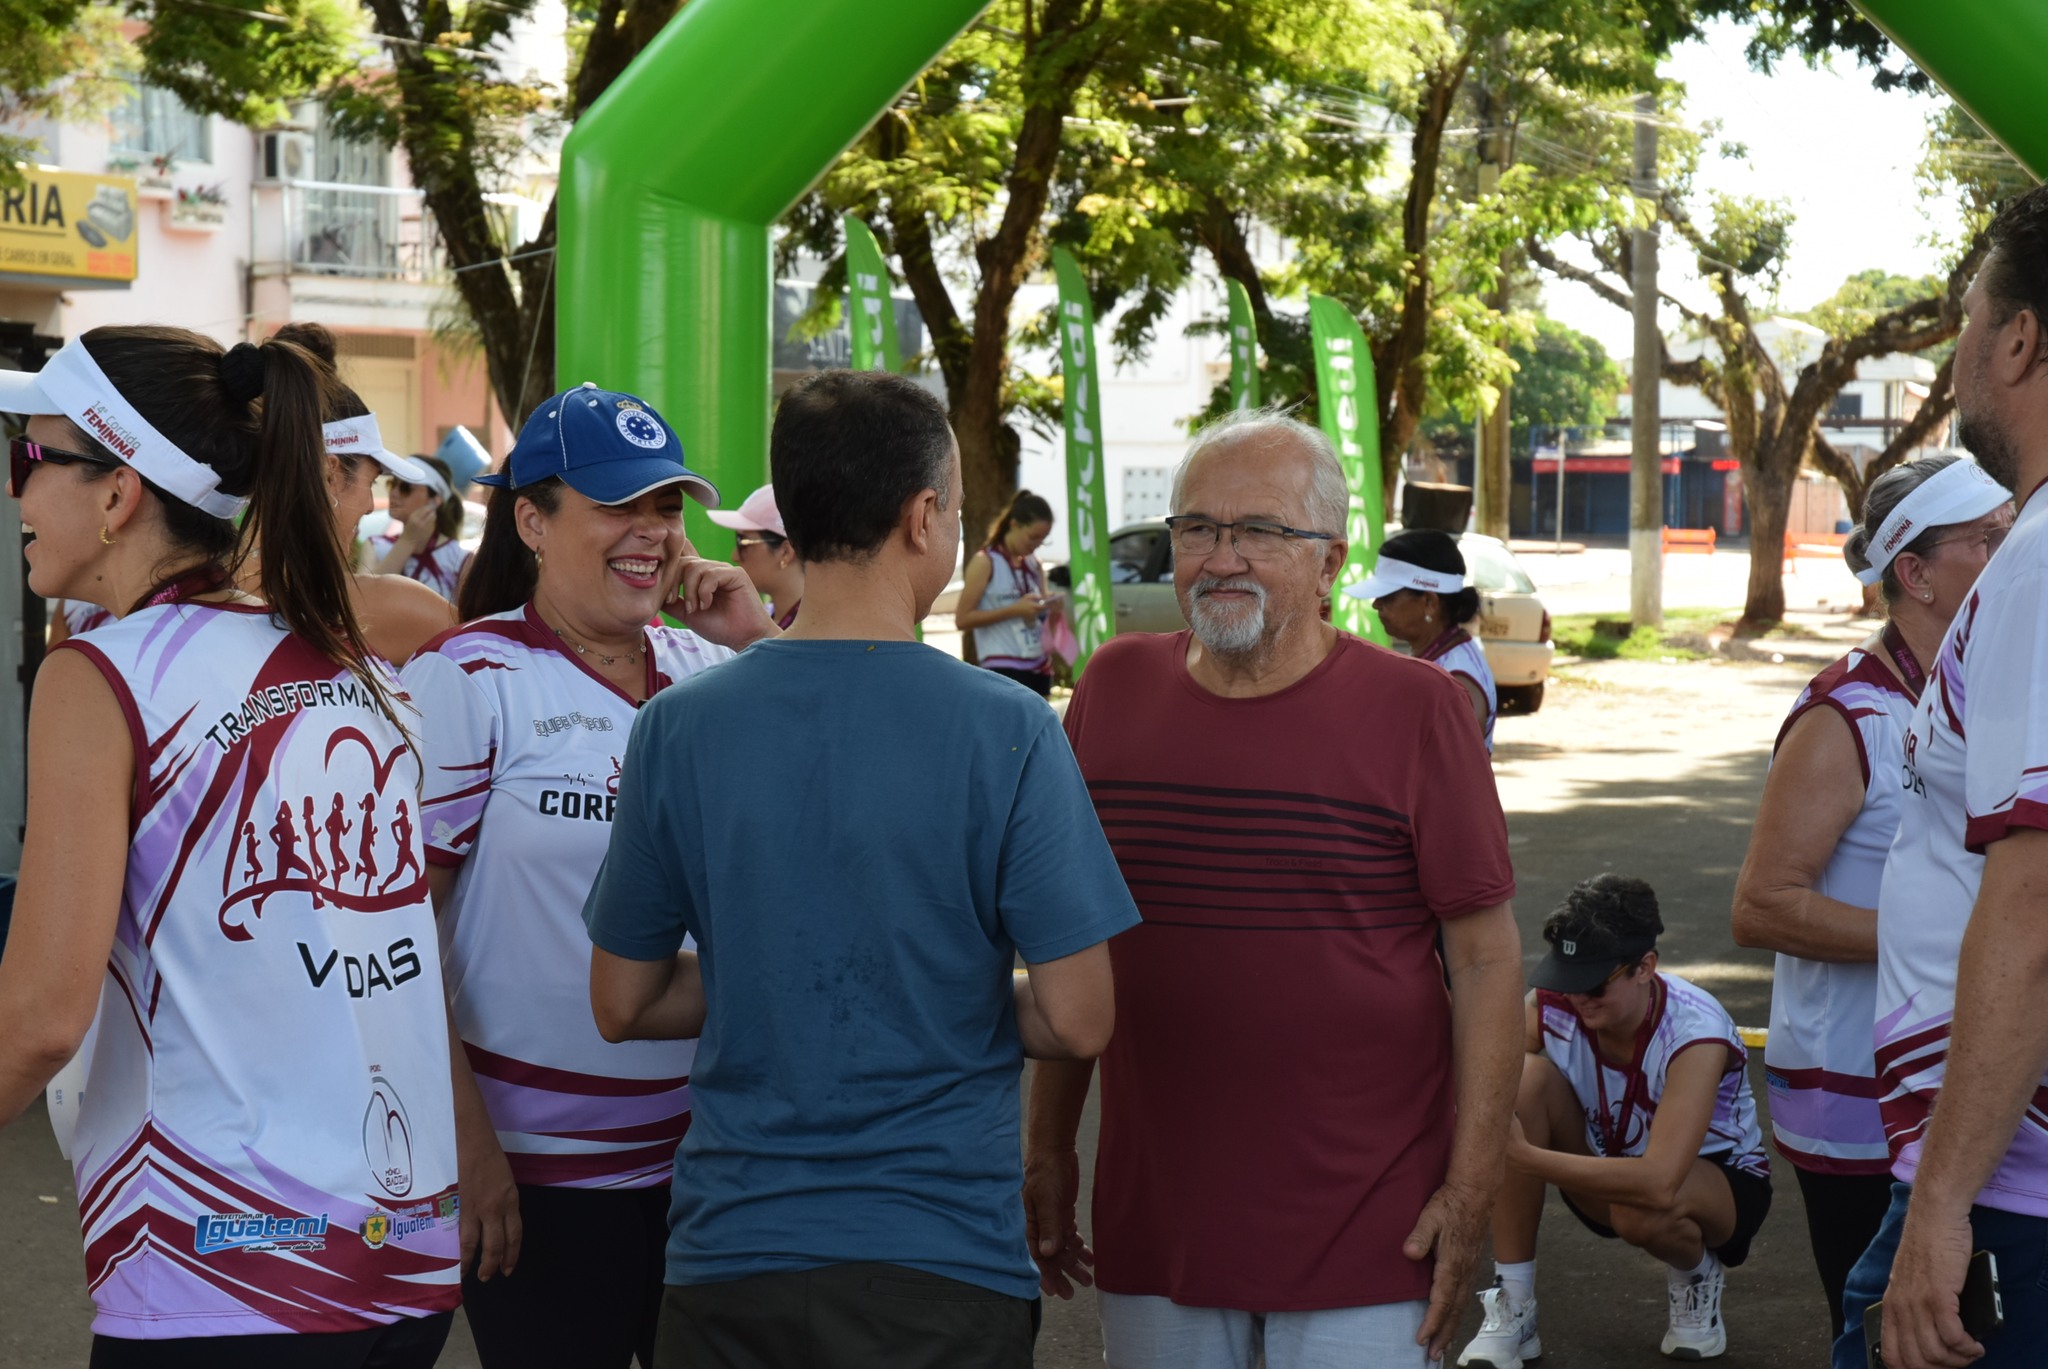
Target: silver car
<point x="1514" y="627"/>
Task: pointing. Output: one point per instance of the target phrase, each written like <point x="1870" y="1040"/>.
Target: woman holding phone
<point x="426" y="520"/>
<point x="1003" y="599"/>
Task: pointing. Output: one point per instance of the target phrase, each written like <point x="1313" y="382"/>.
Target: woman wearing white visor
<point x="265" y="1159"/>
<point x="1823" y="830"/>
<point x="426" y="520"/>
<point x="1418" y="588"/>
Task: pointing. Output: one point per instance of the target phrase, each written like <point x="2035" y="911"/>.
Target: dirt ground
<point x="1647" y="768"/>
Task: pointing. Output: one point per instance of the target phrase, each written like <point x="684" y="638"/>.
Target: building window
<point x="1846" y="406"/>
<point x="155" y="123"/>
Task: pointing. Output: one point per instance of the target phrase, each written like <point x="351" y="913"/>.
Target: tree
<point x="1563" y="379"/>
<point x="61" y="61"/>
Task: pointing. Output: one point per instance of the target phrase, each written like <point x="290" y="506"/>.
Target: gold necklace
<point x="630" y="658"/>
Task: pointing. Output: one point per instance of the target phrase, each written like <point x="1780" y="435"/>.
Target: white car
<point x="1514" y="627"/>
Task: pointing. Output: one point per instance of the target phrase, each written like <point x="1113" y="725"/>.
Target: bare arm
<point x="1067" y="1007"/>
<point x="413" y="534"/>
<point x="1814" y="793"/>
<point x="81" y="780"/>
<point x="1998" y="1049"/>
<point x="1483" y="957"/>
<point x="646" y="1000"/>
<point x="1052" y="1175"/>
<point x="399" y="615"/>
<point x="1650" y="1180"/>
<point x="1477" y="697"/>
<point x="968" y="613"/>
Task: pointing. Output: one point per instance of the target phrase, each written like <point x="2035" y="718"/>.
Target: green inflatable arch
<point x="671" y="182"/>
<point x="1991" y="55"/>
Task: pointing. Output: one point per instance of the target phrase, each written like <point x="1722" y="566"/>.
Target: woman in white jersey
<point x="1634" y="1104"/>
<point x="1003" y="600"/>
<point x="265" y="1158"/>
<point x="398" y="615"/>
<point x="1418" y="588"/>
<point x="69" y="617"/>
<point x="525" y="713"/>
<point x="1823" y="829"/>
<point x="426" y="521"/>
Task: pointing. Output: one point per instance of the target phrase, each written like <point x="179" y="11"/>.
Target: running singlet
<point x="522" y="746"/>
<point x="268" y="1143"/>
<point x="1621" y="1103"/>
<point x="1460" y="656"/>
<point x="1823" y="1083"/>
<point x="438" y="565"/>
<point x="1976" y="770"/>
<point x="1014" y="643"/>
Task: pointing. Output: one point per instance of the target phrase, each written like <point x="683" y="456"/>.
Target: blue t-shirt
<point x="861" y="837"/>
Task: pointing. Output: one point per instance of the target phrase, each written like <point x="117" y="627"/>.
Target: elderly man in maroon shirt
<point x="1302" y="1127"/>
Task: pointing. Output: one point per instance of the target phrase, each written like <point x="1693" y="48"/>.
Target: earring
<point x="539" y="558"/>
<point x="1429" y="617"/>
<point x="106" y="537"/>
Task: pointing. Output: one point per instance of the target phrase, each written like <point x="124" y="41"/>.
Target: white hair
<point x="1328" y="496"/>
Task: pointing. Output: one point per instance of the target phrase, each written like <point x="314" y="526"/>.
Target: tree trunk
<point x="1768" y="489"/>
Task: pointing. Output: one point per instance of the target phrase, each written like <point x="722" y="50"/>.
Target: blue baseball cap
<point x="607" y="446"/>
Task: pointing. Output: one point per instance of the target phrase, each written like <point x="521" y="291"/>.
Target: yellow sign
<point x="69" y="224"/>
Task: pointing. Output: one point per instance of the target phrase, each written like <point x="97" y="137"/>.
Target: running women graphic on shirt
<point x="301" y="1000"/>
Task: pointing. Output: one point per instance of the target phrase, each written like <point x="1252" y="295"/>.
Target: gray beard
<point x="1240" y="632"/>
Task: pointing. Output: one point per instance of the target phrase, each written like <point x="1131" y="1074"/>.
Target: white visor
<point x="71" y="383"/>
<point x="359" y="437"/>
<point x="1389" y="575"/>
<point x="1958" y="493"/>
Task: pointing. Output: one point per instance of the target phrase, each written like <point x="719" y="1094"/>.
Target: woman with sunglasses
<point x="1830" y="809"/>
<point x="1635" y="1106"/>
<point x="421" y="542"/>
<point x="265" y="1158"/>
<point x="568" y="1141"/>
<point x="1003" y="601"/>
<point x="398" y="615"/>
<point x="763" y="551"/>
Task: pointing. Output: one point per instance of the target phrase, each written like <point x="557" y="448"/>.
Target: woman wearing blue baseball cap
<point x="566" y="1140"/>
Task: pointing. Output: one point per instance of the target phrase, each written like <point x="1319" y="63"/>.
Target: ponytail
<point x="504" y="572"/>
<point x="1025" y="508"/>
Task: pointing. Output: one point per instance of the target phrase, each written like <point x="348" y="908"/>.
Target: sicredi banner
<point x="870" y="309"/>
<point x="1348" y="403"/>
<point x="1244" y="349"/>
<point x="1088" y="602"/>
<point x="69" y="226"/>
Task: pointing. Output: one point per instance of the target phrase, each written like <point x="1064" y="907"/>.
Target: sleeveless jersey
<point x="1621" y="1103"/>
<point x="1975" y="770"/>
<point x="438" y="565"/>
<point x="522" y="743"/>
<point x="1822" y="1077"/>
<point x="268" y="1144"/>
<point x="1014" y="643"/>
<point x="80" y="616"/>
<point x="1457" y="654"/>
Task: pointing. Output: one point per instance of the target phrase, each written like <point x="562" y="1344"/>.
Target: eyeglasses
<point x="402" y="488"/>
<point x="1991" y="538"/>
<point x="1255" y="539"/>
<point x="1599" y="991"/>
<point x="23" y="456"/>
<point x="759" y="539"/>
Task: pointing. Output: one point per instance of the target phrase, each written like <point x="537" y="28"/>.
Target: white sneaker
<point x="1507" y="1339"/>
<point x="1696" y="1330"/>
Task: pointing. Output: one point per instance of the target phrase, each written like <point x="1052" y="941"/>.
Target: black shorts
<point x="1752" y="1204"/>
<point x="1039" y="682"/>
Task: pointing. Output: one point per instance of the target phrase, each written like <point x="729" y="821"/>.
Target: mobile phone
<point x="1982" y="1310"/>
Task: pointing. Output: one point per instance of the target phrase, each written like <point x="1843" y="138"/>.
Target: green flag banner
<point x="870" y="308"/>
<point x="1088" y="603"/>
<point x="1244" y="350"/>
<point x="1348" y="402"/>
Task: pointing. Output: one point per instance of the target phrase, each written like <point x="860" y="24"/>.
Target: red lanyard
<point x="1902" y="656"/>
<point x="193" y="583"/>
<point x="1614" y="1134"/>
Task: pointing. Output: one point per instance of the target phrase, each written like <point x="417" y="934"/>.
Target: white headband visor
<point x="1958" y="493"/>
<point x="1389" y="574"/>
<point x="360" y="437"/>
<point x="71" y="383"/>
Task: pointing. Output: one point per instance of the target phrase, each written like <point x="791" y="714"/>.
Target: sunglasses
<point x="1599" y="991"/>
<point x="24" y="455"/>
<point x="759" y="539"/>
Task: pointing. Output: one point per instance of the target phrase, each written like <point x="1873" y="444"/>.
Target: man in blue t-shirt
<point x="862" y="834"/>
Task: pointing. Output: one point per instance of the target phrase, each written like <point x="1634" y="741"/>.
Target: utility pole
<point x="1646" y="466"/>
<point x="1490" y="471"/>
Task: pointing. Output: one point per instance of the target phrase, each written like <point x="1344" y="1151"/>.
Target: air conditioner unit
<point x="287" y="155"/>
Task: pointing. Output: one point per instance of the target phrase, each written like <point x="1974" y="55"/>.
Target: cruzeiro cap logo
<point x="1568" y="947"/>
<point x="638" y="427"/>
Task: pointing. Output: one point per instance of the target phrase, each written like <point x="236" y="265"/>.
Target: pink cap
<point x="757" y="514"/>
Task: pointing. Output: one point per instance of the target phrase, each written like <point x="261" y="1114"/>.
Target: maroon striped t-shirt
<point x="1277" y="1098"/>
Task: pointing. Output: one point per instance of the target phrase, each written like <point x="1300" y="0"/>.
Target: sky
<point x="1841" y="152"/>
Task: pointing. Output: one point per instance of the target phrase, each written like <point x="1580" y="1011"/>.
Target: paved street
<point x="1645" y="768"/>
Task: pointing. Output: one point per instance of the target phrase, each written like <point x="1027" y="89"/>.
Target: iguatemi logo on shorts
<point x="638" y="427"/>
<point x="214" y="1232"/>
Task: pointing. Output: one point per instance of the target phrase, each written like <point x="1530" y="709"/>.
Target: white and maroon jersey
<point x="268" y="1144"/>
<point x="1620" y="1103"/>
<point x="522" y="745"/>
<point x="1822" y="1076"/>
<point x="1457" y="654"/>
<point x="1014" y="643"/>
<point x="1976" y="769"/>
<point x="80" y="616"/>
<point x="438" y="565"/>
